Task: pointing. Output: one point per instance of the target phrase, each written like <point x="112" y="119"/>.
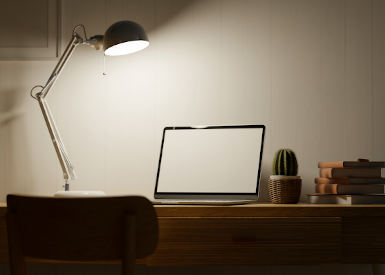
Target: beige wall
<point x="313" y="71"/>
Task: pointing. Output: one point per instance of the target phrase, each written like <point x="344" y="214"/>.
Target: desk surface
<point x="264" y="210"/>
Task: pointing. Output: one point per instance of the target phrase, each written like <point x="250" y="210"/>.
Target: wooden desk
<point x="263" y="234"/>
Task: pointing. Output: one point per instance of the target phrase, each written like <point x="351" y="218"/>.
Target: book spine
<point x="350" y="172"/>
<point x="351" y="164"/>
<point x="332" y="181"/>
<point x="331" y="164"/>
<point x="326" y="173"/>
<point x="334" y="199"/>
<point x="349" y="189"/>
<point x="363" y="164"/>
<point x="326" y="188"/>
<point x="350" y="180"/>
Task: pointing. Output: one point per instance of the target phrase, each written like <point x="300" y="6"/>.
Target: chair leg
<point x="16" y="258"/>
<point x="129" y="246"/>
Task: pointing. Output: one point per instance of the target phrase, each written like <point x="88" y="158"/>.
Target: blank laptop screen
<point x="213" y="160"/>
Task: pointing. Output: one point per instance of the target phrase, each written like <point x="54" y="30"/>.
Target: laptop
<point x="210" y="165"/>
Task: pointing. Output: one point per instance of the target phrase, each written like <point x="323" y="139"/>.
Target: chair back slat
<point x="83" y="229"/>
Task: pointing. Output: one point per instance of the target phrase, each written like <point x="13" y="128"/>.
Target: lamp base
<point x="79" y="194"/>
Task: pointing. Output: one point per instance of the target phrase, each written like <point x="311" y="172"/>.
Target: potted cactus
<point x="284" y="185"/>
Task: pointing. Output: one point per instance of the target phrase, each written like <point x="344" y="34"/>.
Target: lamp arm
<point x="65" y="163"/>
<point x="76" y="40"/>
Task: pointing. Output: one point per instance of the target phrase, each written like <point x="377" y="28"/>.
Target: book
<point x="346" y="199"/>
<point x="350" y="172"/>
<point x="344" y="164"/>
<point x="346" y="189"/>
<point x="350" y="180"/>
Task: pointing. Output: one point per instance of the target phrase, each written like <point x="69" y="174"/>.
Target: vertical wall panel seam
<point x="372" y="77"/>
<point x="156" y="90"/>
<point x="271" y="75"/>
<point x="105" y="13"/>
<point x="108" y="110"/>
<point x="221" y="65"/>
<point x="270" y="123"/>
<point x="320" y="66"/>
<point x="345" y="73"/>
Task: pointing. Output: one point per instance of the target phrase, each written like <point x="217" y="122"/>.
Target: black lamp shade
<point x="124" y="37"/>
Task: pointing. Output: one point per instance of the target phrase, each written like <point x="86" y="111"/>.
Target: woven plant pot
<point x="284" y="189"/>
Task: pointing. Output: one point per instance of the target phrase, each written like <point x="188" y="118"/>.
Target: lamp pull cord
<point x="104" y="64"/>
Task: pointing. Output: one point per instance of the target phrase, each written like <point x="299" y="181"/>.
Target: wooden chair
<point x="79" y="230"/>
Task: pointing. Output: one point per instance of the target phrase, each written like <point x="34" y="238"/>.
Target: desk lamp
<point x="121" y="38"/>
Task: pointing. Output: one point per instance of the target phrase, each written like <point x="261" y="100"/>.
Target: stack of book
<point x="349" y="182"/>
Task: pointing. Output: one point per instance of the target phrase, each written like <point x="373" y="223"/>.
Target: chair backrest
<point x="80" y="229"/>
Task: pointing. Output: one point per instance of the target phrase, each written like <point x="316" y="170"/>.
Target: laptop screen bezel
<point x="208" y="195"/>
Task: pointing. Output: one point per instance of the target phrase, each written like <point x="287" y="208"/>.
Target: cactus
<point x="285" y="163"/>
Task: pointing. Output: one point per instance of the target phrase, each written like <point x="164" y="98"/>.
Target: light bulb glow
<point x="126" y="47"/>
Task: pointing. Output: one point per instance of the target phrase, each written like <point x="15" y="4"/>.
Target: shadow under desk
<point x="261" y="234"/>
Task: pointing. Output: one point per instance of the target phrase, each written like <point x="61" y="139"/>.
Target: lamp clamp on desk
<point x="121" y="38"/>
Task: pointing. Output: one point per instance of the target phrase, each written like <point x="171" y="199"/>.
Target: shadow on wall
<point x="10" y="105"/>
<point x="171" y="12"/>
<point x="13" y="143"/>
